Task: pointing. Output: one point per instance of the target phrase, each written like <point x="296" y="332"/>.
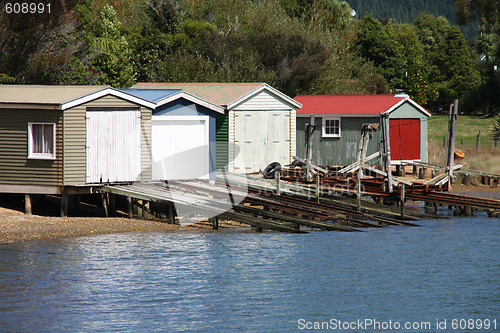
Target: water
<point x="241" y="281"/>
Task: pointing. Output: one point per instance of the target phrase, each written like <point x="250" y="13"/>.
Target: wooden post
<point x="215" y="223"/>
<point x="171" y="214"/>
<point x="358" y="192"/>
<point x="27" y="204"/>
<point x="145" y="208"/>
<point x="77" y="202"/>
<point x="386" y="148"/>
<point x="309" y="138"/>
<point x="112" y="204"/>
<point x="421" y="173"/>
<point x="317" y="187"/>
<point x="64" y="205"/>
<point x="130" y="210"/>
<point x="277" y="178"/>
<point x="478" y="140"/>
<point x="451" y="141"/>
<point x="402" y="203"/>
<point x="135" y="207"/>
<point x="466" y="179"/>
<point x="105" y="203"/>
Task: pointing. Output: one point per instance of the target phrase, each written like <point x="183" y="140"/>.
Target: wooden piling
<point x="28" y="204"/>
<point x="215" y="222"/>
<point x="402" y="202"/>
<point x="277" y="178"/>
<point x="171" y="214"/>
<point x="130" y="208"/>
<point x="105" y="203"/>
<point x="64" y="205"/>
<point x="317" y="187"/>
<point x="466" y="179"/>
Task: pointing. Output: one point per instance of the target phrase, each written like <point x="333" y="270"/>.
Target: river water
<point x="441" y="277"/>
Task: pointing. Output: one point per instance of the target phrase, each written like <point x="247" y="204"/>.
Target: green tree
<point x="485" y="98"/>
<point x="375" y="44"/>
<point x="448" y="59"/>
<point x="495" y="128"/>
<point x="113" y="62"/>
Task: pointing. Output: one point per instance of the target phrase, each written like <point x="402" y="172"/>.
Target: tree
<point x="375" y="44"/>
<point x="485" y="98"/>
<point x="495" y="128"/>
<point x="448" y="59"/>
<point x="113" y="62"/>
<point x="21" y="35"/>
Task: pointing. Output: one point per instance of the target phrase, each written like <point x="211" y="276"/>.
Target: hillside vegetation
<point x="297" y="46"/>
<point x="408" y="11"/>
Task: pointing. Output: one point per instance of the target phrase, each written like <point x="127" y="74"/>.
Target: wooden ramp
<point x="206" y="202"/>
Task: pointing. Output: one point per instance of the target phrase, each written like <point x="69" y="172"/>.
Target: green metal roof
<point x="50" y="95"/>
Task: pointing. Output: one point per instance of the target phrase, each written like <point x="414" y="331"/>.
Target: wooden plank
<point x="259" y="222"/>
<point x="288" y="218"/>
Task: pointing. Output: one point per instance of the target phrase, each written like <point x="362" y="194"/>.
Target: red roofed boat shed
<point x="338" y="120"/>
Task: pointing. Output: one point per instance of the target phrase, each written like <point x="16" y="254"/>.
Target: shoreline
<point x="17" y="227"/>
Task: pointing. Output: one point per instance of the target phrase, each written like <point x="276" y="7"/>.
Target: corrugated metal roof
<point x="217" y="93"/>
<point x="50" y="95"/>
<point x="152" y="95"/>
<point x="347" y="104"/>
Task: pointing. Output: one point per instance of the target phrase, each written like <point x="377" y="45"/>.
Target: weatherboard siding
<point x="221" y="142"/>
<point x="75" y="138"/>
<point x="264" y="100"/>
<point x="336" y="151"/>
<point x="15" y="167"/>
<point x="408" y="111"/>
<point x="293" y="134"/>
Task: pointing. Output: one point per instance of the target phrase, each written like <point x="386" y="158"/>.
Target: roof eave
<point x="264" y="86"/>
<point x="191" y="98"/>
<point x="105" y="92"/>
<point x="412" y="102"/>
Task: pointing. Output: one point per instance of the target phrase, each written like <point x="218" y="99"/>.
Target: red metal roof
<point x="347" y="104"/>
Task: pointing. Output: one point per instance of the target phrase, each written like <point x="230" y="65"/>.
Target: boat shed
<point x="66" y="139"/>
<point x="339" y="118"/>
<point x="182" y="135"/>
<point x="257" y="128"/>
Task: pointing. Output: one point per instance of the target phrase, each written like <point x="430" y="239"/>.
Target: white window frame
<point x="323" y="128"/>
<point x="41" y="156"/>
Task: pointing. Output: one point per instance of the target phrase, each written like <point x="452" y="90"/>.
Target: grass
<point x="466" y="134"/>
<point x="486" y="158"/>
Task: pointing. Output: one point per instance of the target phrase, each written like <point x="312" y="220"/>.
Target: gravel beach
<point x="16" y="226"/>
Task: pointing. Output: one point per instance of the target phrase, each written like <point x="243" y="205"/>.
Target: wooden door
<point x="113" y="146"/>
<point x="405" y="139"/>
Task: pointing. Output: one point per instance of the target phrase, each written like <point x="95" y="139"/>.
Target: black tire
<point x="296" y="163"/>
<point x="270" y="170"/>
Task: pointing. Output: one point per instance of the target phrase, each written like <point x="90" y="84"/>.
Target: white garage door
<point x="180" y="147"/>
<point x="113" y="146"/>
<point x="262" y="137"/>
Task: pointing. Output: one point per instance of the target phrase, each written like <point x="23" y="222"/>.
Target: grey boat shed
<point x="67" y="139"/>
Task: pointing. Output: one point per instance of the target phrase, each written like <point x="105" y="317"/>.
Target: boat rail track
<point x="291" y="204"/>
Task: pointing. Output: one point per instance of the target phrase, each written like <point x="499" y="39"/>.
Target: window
<point x="41" y="141"/>
<point x="331" y="128"/>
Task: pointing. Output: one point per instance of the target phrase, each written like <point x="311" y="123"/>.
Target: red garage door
<point x="405" y="139"/>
